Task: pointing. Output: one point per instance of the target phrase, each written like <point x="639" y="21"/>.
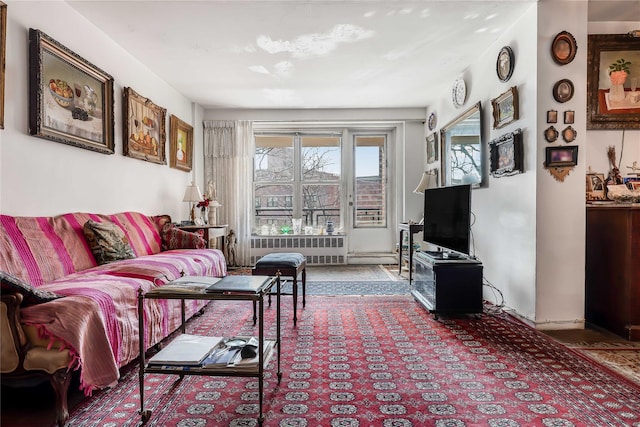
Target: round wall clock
<point x="505" y="64"/>
<point x="432" y="121"/>
<point x="459" y="92"/>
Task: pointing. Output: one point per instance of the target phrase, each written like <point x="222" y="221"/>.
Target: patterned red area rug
<point x="382" y="361"/>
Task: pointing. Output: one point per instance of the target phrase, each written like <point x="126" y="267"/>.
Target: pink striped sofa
<point x="94" y="323"/>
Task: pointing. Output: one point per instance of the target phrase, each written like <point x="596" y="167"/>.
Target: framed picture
<point x="563" y="90"/>
<point x="551" y="134"/>
<point x="144" y="128"/>
<point x="505" y="64"/>
<point x="180" y="144"/>
<point x="595" y="186"/>
<point x="552" y="116"/>
<point x="569" y="134"/>
<point x="569" y="117"/>
<point x="507" y="154"/>
<point x="3" y="48"/>
<point x="432" y="147"/>
<point x="561" y="156"/>
<point x="632" y="182"/>
<point x="70" y="100"/>
<point x="505" y="108"/>
<point x="564" y="48"/>
<point x="613" y="98"/>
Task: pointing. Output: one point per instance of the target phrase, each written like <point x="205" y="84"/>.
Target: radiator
<point x="319" y="250"/>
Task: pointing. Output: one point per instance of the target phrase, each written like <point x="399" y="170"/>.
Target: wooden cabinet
<point x="407" y="230"/>
<point x="612" y="294"/>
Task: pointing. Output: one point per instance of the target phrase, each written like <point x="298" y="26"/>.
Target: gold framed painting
<point x="3" y="47"/>
<point x="613" y="77"/>
<point x="505" y="108"/>
<point x="180" y="144"/>
<point x="144" y="128"/>
<point x="70" y="99"/>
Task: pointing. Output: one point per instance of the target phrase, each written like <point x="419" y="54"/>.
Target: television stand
<point x="447" y="285"/>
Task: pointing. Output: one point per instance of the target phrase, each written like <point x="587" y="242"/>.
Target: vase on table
<point x="204" y="215"/>
<point x="616" y="93"/>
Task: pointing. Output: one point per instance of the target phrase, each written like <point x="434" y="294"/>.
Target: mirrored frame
<point x="462" y="154"/>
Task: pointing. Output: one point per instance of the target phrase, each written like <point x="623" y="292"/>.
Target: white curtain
<point x="228" y="164"/>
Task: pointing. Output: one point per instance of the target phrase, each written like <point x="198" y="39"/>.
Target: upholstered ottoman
<point x="289" y="264"/>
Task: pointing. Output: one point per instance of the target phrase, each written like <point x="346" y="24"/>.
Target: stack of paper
<point x="186" y="350"/>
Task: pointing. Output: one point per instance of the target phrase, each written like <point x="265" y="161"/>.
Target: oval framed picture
<point x="569" y="134"/>
<point x="563" y="90"/>
<point x="563" y="48"/>
<point x="551" y="134"/>
<point x="505" y="64"/>
<point x="432" y="121"/>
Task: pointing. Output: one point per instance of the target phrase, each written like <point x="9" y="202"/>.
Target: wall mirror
<point x="461" y="145"/>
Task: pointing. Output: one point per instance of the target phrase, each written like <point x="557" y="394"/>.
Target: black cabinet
<point x="451" y="285"/>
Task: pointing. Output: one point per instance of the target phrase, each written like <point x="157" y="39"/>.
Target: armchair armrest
<point x="14" y="341"/>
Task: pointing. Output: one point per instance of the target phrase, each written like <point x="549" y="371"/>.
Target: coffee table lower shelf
<point x="256" y="371"/>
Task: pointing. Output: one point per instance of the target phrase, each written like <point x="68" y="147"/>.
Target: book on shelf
<point x="239" y="284"/>
<point x="190" y="284"/>
<point x="186" y="350"/>
<point x="230" y="356"/>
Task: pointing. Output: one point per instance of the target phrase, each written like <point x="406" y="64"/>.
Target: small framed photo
<point x="505" y="64"/>
<point x="561" y="156"/>
<point x="70" y="99"/>
<point x="505" y="108"/>
<point x="432" y="147"/>
<point x="144" y="128"/>
<point x="552" y="116"/>
<point x="563" y="90"/>
<point x="180" y="144"/>
<point x="595" y="186"/>
<point x="507" y="154"/>
<point x="569" y="117"/>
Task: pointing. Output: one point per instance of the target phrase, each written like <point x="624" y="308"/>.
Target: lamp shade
<point x="424" y="182"/>
<point x="192" y="193"/>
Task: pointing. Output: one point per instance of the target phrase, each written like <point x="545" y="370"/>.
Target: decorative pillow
<point x="107" y="241"/>
<point x="31" y="295"/>
<point x="174" y="238"/>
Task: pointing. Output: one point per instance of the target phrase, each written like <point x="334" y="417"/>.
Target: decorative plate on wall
<point x="563" y="48"/>
<point x="459" y="92"/>
<point x="563" y="90"/>
<point x="505" y="64"/>
<point x="432" y="121"/>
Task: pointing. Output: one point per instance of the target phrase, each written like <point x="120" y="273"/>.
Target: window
<point x="297" y="176"/>
<point x="370" y="181"/>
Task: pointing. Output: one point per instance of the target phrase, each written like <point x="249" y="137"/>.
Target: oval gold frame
<point x="564" y="48"/>
<point x="551" y="134"/>
<point x="569" y="134"/>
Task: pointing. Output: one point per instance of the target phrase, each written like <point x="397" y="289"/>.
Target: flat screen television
<point x="447" y="218"/>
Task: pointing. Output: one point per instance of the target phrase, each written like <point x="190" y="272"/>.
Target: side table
<point x="210" y="231"/>
<point x="411" y="229"/>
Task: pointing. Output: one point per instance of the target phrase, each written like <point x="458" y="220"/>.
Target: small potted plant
<point x="618" y="72"/>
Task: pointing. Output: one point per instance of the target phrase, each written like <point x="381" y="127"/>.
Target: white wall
<point x="42" y="177"/>
<point x="505" y="223"/>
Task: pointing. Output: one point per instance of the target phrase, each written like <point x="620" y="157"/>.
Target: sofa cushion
<point x="174" y="238"/>
<point x="11" y="284"/>
<point x="107" y="241"/>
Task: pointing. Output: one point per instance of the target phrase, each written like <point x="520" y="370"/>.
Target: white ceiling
<point x="313" y="53"/>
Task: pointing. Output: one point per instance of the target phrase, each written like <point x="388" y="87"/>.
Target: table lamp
<point x="193" y="196"/>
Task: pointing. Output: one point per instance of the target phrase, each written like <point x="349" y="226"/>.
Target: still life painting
<point x="144" y="128"/>
<point x="70" y="100"/>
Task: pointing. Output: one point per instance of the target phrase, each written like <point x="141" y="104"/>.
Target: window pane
<point x="321" y="203"/>
<point x="320" y="158"/>
<point x="370" y="185"/>
<point x="273" y="160"/>
<point x="273" y="205"/>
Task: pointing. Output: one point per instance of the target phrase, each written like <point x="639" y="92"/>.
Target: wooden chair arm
<point x="14" y="340"/>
